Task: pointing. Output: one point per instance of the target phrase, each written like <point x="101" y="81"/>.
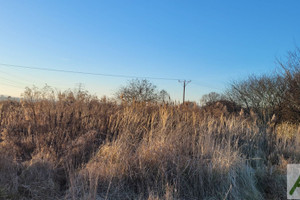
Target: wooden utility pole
<point x="185" y="82"/>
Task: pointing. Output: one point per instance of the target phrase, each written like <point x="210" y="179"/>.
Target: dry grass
<point x="74" y="146"/>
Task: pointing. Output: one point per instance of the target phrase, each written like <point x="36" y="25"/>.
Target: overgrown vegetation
<point x="71" y="145"/>
<point x="75" y="146"/>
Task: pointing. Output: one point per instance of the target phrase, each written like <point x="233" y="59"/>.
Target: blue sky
<point x="208" y="42"/>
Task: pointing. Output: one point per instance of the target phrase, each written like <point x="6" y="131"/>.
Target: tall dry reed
<point x="71" y="145"/>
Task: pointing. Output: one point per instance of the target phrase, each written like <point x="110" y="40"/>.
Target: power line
<point x="16" y="77"/>
<point x="10" y="85"/>
<point x="20" y="80"/>
<point x="107" y="75"/>
<point x="12" y="81"/>
<point x="88" y="73"/>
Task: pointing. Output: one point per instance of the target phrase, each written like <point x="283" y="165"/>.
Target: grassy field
<point x="75" y="146"/>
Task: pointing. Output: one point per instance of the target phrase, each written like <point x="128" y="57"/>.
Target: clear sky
<point x="208" y="42"/>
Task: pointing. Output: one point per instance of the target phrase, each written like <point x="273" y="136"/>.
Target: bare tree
<point x="164" y="96"/>
<point x="263" y="94"/>
<point x="291" y="97"/>
<point x="140" y="90"/>
<point x="211" y="97"/>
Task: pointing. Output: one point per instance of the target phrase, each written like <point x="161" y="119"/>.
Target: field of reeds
<point x="71" y="145"/>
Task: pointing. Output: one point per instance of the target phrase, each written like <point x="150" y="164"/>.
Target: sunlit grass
<point x="74" y="146"/>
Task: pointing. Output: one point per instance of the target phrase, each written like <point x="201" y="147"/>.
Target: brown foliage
<point x="75" y="146"/>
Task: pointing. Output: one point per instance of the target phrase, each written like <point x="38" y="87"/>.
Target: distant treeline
<point x="4" y="97"/>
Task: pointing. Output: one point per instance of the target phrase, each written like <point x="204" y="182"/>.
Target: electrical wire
<point x="16" y="77"/>
<point x="194" y="82"/>
<point x="89" y="73"/>
<point x="12" y="81"/>
<point x="15" y="86"/>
